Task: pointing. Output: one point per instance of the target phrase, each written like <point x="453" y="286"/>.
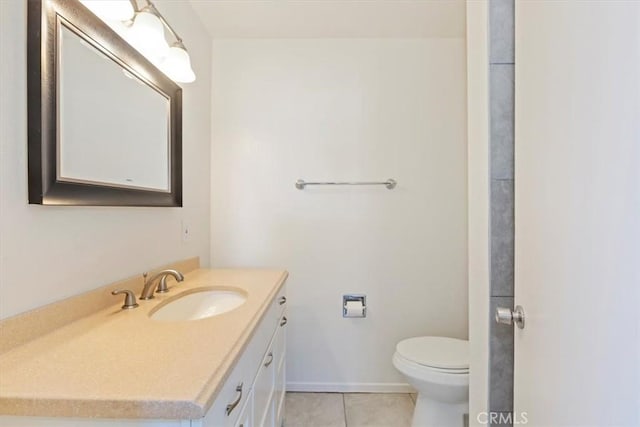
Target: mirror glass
<point x="127" y="146"/>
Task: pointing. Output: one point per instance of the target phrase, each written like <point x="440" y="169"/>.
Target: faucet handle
<point x="129" y="299"/>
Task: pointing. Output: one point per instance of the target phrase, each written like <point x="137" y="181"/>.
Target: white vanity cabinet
<point x="254" y="391"/>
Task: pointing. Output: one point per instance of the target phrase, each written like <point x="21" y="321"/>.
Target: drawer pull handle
<point x="283" y="321"/>
<point x="231" y="406"/>
<point x="270" y="356"/>
<point x="283" y="300"/>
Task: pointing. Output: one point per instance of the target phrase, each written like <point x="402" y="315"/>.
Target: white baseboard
<point x="350" y="387"/>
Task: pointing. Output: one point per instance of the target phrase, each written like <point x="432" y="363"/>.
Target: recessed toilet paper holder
<point x="354" y="299"/>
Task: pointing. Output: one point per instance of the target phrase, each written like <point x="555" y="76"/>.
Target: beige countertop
<point x="117" y="363"/>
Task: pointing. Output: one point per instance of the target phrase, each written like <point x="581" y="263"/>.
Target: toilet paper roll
<point x="354" y="309"/>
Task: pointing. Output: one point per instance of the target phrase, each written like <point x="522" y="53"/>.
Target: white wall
<point x="49" y="253"/>
<point x="345" y="109"/>
<point x="478" y="160"/>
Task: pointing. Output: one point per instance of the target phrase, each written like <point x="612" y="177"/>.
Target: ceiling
<point x="332" y="18"/>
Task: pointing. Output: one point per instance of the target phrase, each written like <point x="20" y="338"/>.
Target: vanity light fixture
<point x="173" y="60"/>
<point x="145" y="31"/>
<point x="177" y="64"/>
<point x="146" y="34"/>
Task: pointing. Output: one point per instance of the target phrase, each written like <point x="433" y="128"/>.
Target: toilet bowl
<point x="438" y="368"/>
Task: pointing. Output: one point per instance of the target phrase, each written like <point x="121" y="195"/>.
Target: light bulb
<point x="177" y="65"/>
<point x="147" y="36"/>
<point x="110" y="10"/>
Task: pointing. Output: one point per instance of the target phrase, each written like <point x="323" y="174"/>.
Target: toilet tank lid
<point x="437" y="352"/>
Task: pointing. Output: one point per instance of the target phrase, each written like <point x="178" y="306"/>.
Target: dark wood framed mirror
<point x="105" y="125"/>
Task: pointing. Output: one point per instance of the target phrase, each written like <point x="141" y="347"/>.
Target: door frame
<point x="478" y="205"/>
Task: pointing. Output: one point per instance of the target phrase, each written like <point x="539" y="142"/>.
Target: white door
<point x="577" y="360"/>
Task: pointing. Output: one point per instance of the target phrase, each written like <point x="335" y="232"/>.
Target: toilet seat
<point x="415" y="372"/>
<point x="447" y="355"/>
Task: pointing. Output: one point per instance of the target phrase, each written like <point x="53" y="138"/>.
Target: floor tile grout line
<point x="344" y="410"/>
<point x="395" y="409"/>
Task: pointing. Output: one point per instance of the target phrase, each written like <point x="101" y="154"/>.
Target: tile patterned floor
<point x="348" y="410"/>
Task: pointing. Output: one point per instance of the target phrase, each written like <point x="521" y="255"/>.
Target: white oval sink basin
<point x="199" y="305"/>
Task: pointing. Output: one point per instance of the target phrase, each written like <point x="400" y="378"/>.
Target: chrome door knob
<point x="509" y="317"/>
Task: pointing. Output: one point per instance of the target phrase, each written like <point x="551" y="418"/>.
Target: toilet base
<point x="431" y="413"/>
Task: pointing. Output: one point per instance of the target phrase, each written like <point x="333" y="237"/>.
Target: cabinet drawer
<point x="280" y="338"/>
<point x="279" y="304"/>
<point x="263" y="387"/>
<point x="270" y="324"/>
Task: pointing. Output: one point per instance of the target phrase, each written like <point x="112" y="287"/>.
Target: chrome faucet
<point x="147" y="291"/>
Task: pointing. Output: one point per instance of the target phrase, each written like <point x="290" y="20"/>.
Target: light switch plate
<point x="186" y="231"/>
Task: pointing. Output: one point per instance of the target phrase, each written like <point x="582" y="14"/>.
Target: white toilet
<point x="438" y="368"/>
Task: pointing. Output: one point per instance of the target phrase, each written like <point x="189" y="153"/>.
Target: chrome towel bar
<point x="390" y="183"/>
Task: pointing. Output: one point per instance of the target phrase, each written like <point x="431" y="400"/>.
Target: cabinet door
<point x="268" y="420"/>
<point x="279" y="348"/>
<point x="278" y="394"/>
<point x="269" y="385"/>
<point x="263" y="389"/>
<point x="234" y="393"/>
<point x="232" y="398"/>
<point x="246" y="415"/>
